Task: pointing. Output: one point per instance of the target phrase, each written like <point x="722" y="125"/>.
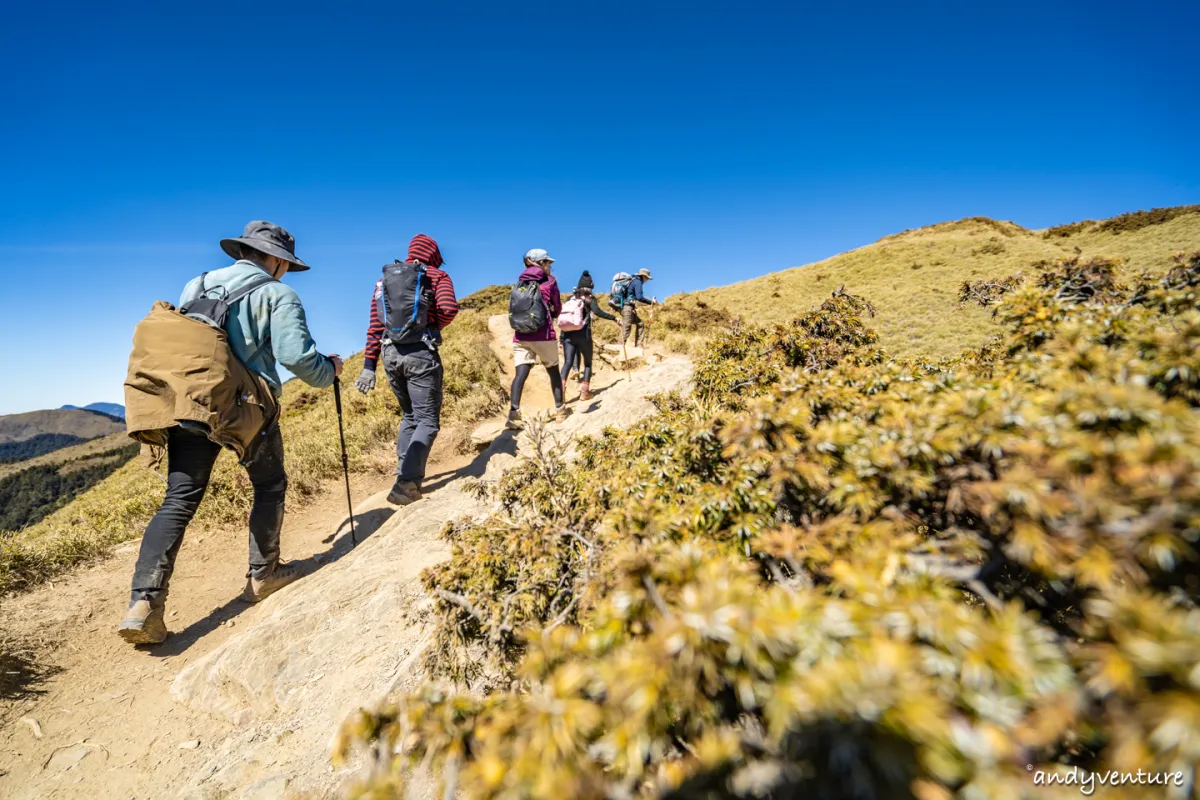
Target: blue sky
<point x="710" y="142"/>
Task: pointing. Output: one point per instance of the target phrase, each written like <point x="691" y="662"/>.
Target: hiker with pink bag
<point x="575" y="325"/>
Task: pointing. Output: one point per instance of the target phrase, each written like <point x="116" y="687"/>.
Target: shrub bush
<point x="831" y="573"/>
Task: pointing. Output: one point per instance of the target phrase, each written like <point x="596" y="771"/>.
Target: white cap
<point x="537" y="254"/>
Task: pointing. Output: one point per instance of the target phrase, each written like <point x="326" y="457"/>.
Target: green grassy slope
<point x="912" y="278"/>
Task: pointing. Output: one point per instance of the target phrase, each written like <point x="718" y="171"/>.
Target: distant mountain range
<point x="112" y="409"/>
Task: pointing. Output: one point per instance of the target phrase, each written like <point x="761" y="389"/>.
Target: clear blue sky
<point x="709" y="142"/>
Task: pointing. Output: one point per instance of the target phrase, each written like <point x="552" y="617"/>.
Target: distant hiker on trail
<point x="626" y="294"/>
<point x="533" y="306"/>
<point x="412" y="304"/>
<point x="190" y="392"/>
<point x="575" y="323"/>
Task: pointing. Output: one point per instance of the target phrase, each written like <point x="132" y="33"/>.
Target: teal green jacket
<point x="267" y="326"/>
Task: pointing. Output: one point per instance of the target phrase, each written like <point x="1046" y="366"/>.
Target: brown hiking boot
<point x="514" y="421"/>
<point x="561" y="413"/>
<point x="259" y="589"/>
<point x="585" y="391"/>
<point x="403" y="493"/>
<point x="143" y="623"/>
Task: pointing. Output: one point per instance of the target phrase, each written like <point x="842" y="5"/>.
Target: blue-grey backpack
<point x="407" y="297"/>
<point x="619" y="292"/>
<point x="527" y="308"/>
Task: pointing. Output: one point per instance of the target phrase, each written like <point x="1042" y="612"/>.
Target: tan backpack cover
<point x="183" y="369"/>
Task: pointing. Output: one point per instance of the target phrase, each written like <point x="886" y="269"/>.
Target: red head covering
<point x="425" y="250"/>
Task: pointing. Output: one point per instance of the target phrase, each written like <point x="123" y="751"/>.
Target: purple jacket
<point x="553" y="300"/>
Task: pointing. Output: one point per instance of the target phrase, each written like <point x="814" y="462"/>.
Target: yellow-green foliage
<point x="912" y="278"/>
<point x="833" y="573"/>
<point x="119" y="507"/>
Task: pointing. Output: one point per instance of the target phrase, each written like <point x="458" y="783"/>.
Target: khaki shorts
<point x="533" y="352"/>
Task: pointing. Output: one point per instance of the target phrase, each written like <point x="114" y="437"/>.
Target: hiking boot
<point x="561" y="413"/>
<point x="259" y="589"/>
<point x="143" y="623"/>
<point x="514" y="421"/>
<point x="585" y="391"/>
<point x="403" y="493"/>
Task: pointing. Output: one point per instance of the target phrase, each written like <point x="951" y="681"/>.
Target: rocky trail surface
<point x="242" y="701"/>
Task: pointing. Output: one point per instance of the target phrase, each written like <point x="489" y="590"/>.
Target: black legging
<point x="578" y="343"/>
<point x="556" y="384"/>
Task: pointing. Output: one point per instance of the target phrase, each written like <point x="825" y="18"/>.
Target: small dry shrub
<point x="993" y="247"/>
<point x="987" y="292"/>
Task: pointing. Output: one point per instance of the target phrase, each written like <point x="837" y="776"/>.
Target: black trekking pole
<point x="337" y="401"/>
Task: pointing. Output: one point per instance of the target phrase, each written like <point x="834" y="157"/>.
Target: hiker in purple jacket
<point x="541" y="346"/>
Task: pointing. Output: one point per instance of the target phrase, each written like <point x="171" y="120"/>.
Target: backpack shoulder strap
<point x="417" y="291"/>
<point x="248" y="288"/>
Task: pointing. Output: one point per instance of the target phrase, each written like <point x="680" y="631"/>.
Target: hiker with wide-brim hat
<point x="632" y="296"/>
<point x="267" y="239"/>
<point x="265" y="324"/>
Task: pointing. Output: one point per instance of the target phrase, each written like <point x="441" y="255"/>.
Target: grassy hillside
<point x="912" y="278"/>
<point x="73" y="422"/>
<point x="38" y="488"/>
<point x="119" y="507"/>
<point x="68" y="455"/>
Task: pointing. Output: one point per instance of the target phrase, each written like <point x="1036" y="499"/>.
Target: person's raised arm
<point x="295" y="349"/>
<point x="599" y="312"/>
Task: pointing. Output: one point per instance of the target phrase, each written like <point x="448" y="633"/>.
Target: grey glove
<point x="366" y="381"/>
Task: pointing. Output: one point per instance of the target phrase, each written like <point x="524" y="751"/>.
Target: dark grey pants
<point x="190" y="459"/>
<point x="415" y="374"/>
<point x="630" y="319"/>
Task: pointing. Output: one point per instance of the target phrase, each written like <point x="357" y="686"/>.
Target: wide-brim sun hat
<point x="537" y="254"/>
<point x="644" y="273"/>
<point x="266" y="237"/>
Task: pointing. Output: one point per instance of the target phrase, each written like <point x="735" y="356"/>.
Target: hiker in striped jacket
<point x="414" y="371"/>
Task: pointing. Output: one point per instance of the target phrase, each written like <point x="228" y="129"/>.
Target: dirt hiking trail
<point x="243" y="701"/>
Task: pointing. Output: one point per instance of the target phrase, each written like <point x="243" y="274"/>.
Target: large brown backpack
<point x="183" y="369"/>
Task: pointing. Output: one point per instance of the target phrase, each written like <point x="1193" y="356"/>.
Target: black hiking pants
<point x="190" y="459"/>
<point x="577" y="344"/>
<point x="415" y="374"/>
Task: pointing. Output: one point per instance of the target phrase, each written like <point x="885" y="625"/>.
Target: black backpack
<point x="214" y="311"/>
<point x="527" y="308"/>
<point x="407" y="297"/>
